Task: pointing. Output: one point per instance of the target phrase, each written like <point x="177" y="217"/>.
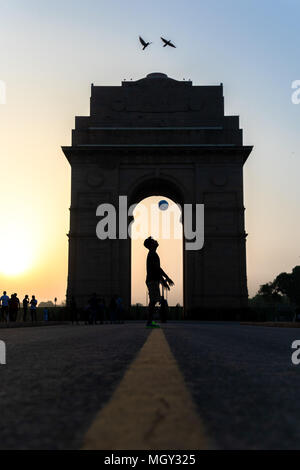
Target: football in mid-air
<point x="163" y="205"/>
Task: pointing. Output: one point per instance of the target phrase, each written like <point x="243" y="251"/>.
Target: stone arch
<point x="164" y="186"/>
<point x="156" y="186"/>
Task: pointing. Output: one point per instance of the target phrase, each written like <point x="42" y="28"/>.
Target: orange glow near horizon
<point x="16" y="256"/>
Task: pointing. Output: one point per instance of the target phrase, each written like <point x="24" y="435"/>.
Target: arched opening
<point x="160" y="217"/>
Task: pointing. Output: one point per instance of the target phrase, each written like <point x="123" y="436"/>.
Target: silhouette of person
<point x="33" y="304"/>
<point x="73" y="309"/>
<point x="120" y="309"/>
<point x="113" y="309"/>
<point x="18" y="305"/>
<point x="14" y="305"/>
<point x="101" y="310"/>
<point x="164" y="309"/>
<point x="46" y="314"/>
<point x="5" y="306"/>
<point x="25" y="307"/>
<point x="86" y="314"/>
<point x="93" y="309"/>
<point x="155" y="276"/>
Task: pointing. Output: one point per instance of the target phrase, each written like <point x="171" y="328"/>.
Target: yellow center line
<point x="151" y="409"/>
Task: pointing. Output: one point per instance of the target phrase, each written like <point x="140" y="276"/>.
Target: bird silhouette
<point x="144" y="43"/>
<point x="167" y="43"/>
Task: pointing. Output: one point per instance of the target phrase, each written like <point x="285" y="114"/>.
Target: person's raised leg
<point x="151" y="308"/>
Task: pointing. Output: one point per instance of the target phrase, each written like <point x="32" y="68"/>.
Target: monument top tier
<point x="157" y="110"/>
<point x="158" y="100"/>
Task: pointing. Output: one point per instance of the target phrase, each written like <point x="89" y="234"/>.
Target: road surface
<point x="67" y="387"/>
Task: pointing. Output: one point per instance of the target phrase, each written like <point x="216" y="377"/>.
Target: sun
<point x="15" y="254"/>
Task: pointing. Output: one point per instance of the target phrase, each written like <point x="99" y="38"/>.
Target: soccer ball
<point x="163" y="205"/>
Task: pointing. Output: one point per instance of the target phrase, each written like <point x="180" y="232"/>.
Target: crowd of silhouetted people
<point x="10" y="307"/>
<point x="97" y="311"/>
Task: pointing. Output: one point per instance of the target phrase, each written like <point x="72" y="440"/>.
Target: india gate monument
<point x="159" y="136"/>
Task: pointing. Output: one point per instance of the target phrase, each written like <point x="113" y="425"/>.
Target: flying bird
<point x="144" y="43"/>
<point x="167" y="43"/>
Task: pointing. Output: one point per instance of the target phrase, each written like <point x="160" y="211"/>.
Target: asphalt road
<point x="243" y="381"/>
<point x="57" y="378"/>
<point x="246" y="389"/>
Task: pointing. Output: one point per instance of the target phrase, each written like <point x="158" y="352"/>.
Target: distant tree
<point x="289" y="284"/>
<point x="268" y="293"/>
<point x="284" y="288"/>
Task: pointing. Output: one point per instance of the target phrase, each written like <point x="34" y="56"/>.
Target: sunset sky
<point x="51" y="52"/>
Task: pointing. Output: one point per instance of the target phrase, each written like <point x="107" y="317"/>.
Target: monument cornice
<point x="156" y="153"/>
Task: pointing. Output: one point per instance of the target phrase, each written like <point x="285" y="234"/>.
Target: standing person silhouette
<point x="74" y="311"/>
<point x="113" y="309"/>
<point x="5" y="306"/>
<point x="33" y="304"/>
<point x="101" y="311"/>
<point x="14" y="305"/>
<point x="164" y="309"/>
<point x="25" y="307"/>
<point x="155" y="276"/>
<point x="93" y="309"/>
